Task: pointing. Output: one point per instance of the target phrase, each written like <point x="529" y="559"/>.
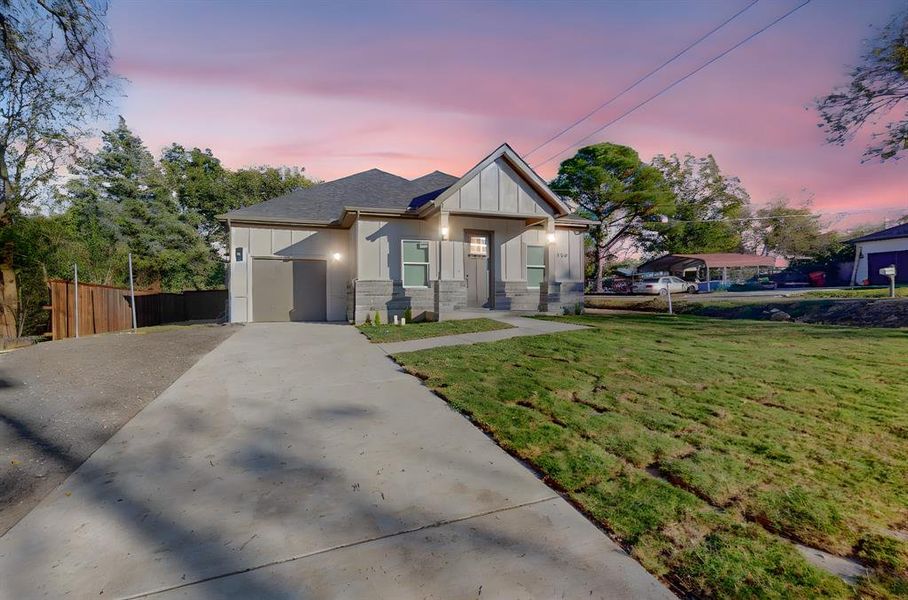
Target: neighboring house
<point x="497" y="237"/>
<point x="881" y="249"/>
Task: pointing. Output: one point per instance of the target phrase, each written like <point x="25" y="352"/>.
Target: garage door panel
<point x="271" y="288"/>
<point x="310" y="301"/>
<point x="289" y="290"/>
<point x="879" y="260"/>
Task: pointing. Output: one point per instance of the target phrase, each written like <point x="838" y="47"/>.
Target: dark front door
<point x="478" y="268"/>
<point x="880" y="260"/>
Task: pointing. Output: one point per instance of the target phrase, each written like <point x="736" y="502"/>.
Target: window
<point x="479" y="246"/>
<point x="535" y="266"/>
<point x="415" y="263"/>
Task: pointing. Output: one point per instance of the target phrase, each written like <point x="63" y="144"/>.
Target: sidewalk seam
<point x="340" y="547"/>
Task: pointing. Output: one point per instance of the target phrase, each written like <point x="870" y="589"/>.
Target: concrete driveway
<point x="297" y="461"/>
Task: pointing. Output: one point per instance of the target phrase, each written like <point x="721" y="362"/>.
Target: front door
<point x="478" y="268"/>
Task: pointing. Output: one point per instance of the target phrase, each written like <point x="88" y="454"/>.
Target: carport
<point x="679" y="264"/>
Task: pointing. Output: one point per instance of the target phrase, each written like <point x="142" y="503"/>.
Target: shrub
<point x="368" y="320"/>
<point x="408" y="315"/>
<point x="578" y="309"/>
<point x="377" y="318"/>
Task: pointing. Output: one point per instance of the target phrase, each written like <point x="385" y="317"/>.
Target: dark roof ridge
<point x="894" y="232"/>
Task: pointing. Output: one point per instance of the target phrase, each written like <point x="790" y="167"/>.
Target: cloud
<point x="409" y="88"/>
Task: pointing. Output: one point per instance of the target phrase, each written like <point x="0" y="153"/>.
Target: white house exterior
<point x="881" y="249"/>
<point x="374" y="242"/>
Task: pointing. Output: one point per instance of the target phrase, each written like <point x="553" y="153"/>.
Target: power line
<point x="813" y="215"/>
<point x="639" y="81"/>
<point x="676" y="82"/>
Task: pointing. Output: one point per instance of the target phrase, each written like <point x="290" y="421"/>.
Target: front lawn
<point x="379" y="334"/>
<point x="704" y="445"/>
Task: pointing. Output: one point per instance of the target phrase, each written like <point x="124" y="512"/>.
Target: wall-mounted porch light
<point x="444" y="233"/>
<point x="336" y="256"/>
<point x="550" y="237"/>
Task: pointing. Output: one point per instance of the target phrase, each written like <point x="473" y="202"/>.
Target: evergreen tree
<point x="120" y="198"/>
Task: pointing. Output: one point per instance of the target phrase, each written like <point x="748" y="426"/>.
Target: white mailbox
<point x="888" y="271"/>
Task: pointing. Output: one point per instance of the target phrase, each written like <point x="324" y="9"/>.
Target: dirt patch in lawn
<point x="60" y="401"/>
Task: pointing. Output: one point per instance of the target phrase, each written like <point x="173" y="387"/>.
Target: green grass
<point x="901" y="291"/>
<point x="378" y="334"/>
<point x="702" y="444"/>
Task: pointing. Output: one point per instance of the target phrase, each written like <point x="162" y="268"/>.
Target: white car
<point x="662" y="285"/>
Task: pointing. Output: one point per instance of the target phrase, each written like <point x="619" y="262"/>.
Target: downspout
<point x="355" y="262"/>
<point x="229" y="270"/>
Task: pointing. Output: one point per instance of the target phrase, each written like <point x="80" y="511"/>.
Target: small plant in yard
<point x="377" y="320"/>
<point x="408" y="315"/>
<point x="368" y="320"/>
<point x="578" y="308"/>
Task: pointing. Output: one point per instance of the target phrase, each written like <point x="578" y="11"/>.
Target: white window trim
<point x="404" y="263"/>
<point x="543" y="266"/>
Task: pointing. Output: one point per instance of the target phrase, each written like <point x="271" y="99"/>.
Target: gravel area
<point x="60" y="401"/>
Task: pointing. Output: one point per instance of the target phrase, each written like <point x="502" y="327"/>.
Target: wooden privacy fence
<point x="104" y="308"/>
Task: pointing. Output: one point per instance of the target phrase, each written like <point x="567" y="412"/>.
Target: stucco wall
<point x="873" y="247"/>
<point x="313" y="243"/>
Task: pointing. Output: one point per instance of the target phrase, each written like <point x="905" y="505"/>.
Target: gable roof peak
<point x="523" y="169"/>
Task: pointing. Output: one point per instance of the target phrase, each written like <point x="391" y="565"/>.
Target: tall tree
<point x="119" y="193"/>
<point x="788" y="231"/>
<point x="201" y="187"/>
<point x="54" y="77"/>
<point x="611" y="185"/>
<point x="877" y="94"/>
<point x="205" y="189"/>
<point x="710" y="208"/>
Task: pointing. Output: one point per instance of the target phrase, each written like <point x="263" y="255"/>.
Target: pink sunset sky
<point x="338" y="88"/>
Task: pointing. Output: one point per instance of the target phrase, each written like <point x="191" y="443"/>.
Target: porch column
<point x="551" y="291"/>
<point x="550" y="246"/>
<point x="445" y="250"/>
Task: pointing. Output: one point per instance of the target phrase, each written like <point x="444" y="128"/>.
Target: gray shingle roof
<point x="899" y="231"/>
<point x="325" y="202"/>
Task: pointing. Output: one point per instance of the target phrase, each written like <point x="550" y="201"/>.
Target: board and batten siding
<point x="378" y="249"/>
<point x="498" y="189"/>
<point x="311" y="243"/>
<point x="378" y="246"/>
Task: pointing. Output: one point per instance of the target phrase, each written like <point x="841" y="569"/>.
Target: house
<point x="374" y="242"/>
<point x="880" y="249"/>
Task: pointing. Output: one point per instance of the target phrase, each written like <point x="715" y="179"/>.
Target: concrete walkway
<point x="522" y="326"/>
<point x="297" y="461"/>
